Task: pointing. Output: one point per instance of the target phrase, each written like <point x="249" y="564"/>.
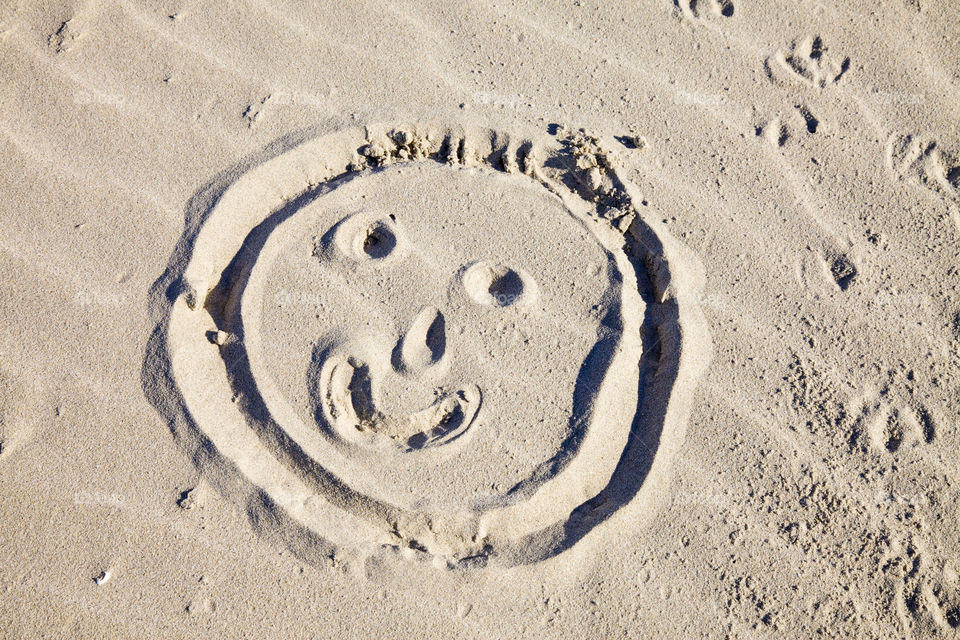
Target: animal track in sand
<point x="922" y="161"/>
<point x="705" y="9"/>
<point x="890" y="427"/>
<point x="776" y="131"/>
<point x="459" y="345"/>
<point x="924" y="592"/>
<point x="806" y="61"/>
<point x="892" y="417"/>
<point x="842" y="269"/>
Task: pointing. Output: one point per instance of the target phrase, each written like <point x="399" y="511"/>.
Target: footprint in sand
<point x="924" y="162"/>
<point x="807" y="61"/>
<point x="893" y="417"/>
<point x="922" y="588"/>
<point x="778" y="131"/>
<point x="462" y="346"/>
<point x="702" y="10"/>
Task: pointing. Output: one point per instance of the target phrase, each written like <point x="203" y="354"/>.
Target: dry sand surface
<point x="480" y="320"/>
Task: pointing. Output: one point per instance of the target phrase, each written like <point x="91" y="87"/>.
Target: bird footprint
<point x="806" y="61"/>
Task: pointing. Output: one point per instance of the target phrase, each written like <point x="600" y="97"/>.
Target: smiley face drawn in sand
<point x="464" y="318"/>
<point x="459" y="346"/>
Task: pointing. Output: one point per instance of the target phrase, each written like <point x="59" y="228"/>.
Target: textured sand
<point x="496" y="320"/>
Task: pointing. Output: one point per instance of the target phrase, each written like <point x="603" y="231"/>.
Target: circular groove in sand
<point x="324" y="418"/>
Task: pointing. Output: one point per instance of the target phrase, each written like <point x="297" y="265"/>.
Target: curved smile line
<point x="348" y="405"/>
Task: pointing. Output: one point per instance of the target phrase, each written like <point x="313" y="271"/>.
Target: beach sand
<point x="496" y="320"/>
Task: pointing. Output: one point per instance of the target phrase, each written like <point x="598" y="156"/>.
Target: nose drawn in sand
<point x="423" y="346"/>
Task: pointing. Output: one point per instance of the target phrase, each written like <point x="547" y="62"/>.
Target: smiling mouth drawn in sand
<point x="409" y="354"/>
<point x="348" y="405"/>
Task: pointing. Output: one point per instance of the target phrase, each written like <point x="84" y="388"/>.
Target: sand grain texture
<point x="502" y="320"/>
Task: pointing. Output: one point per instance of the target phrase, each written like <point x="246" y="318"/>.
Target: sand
<point x="501" y="320"/>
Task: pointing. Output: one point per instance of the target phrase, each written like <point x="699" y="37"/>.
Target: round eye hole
<point x="497" y="285"/>
<point x="366" y="237"/>
<point x="375" y="241"/>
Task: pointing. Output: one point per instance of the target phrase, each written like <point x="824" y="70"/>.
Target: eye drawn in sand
<point x="464" y="346"/>
<point x="807" y="61"/>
